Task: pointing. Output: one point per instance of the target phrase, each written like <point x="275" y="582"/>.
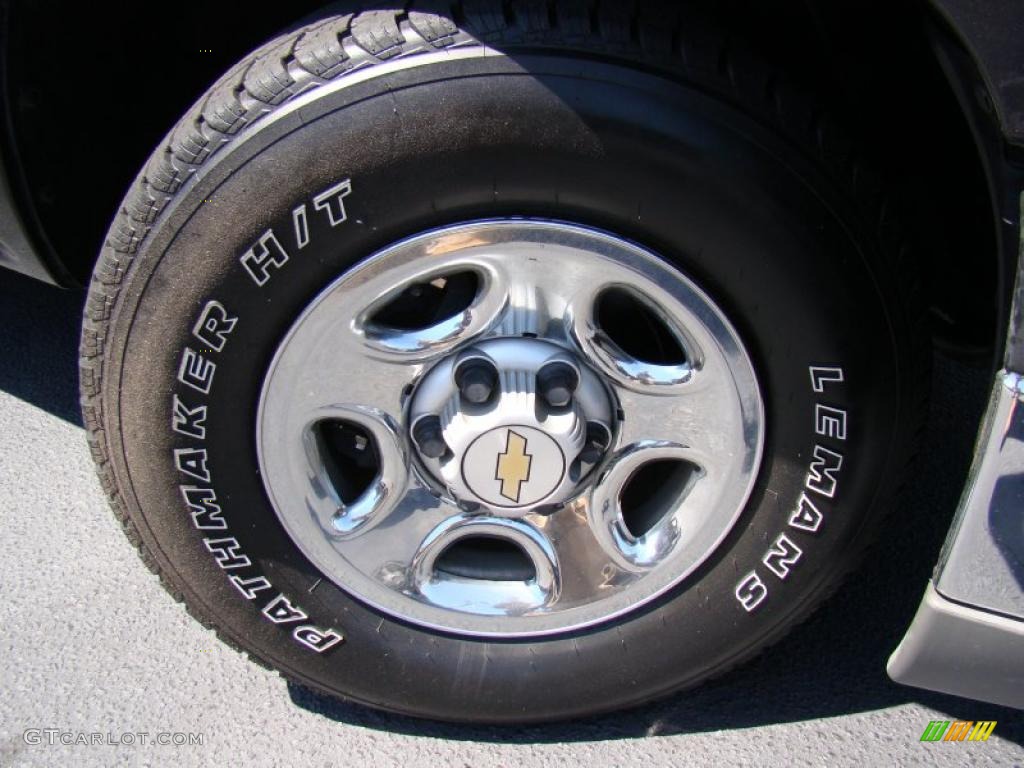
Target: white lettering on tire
<point x="192" y="462"/>
<point x="332" y="200"/>
<point x="214" y="325"/>
<point x="301" y="224"/>
<point x="751" y="591"/>
<point x="202" y="503"/>
<point x="315" y="639"/>
<point x="281" y="611"/>
<point x="822" y="479"/>
<point x="782" y="556"/>
<point x="196" y="370"/>
<point x="822" y="475"/>
<point x="822" y="375"/>
<point x="190" y="422"/>
<point x="228" y="553"/>
<point x="266" y="256"/>
<point x="249" y="587"/>
<point x="830" y="422"/>
<point x="805" y="515"/>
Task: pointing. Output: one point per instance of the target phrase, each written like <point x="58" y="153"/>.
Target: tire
<point x="355" y="133"/>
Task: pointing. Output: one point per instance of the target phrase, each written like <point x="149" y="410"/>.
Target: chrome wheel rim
<point x="580" y="545"/>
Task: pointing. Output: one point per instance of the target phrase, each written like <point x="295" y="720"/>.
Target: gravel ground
<point x="92" y="644"/>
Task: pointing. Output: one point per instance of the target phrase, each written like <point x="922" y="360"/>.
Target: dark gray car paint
<point x="992" y="31"/>
<point x="16" y="251"/>
<point x="968" y="635"/>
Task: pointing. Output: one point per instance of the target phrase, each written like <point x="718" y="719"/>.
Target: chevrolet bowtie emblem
<point x="513" y="466"/>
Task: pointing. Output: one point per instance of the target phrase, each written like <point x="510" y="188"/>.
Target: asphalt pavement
<point x="98" y="662"/>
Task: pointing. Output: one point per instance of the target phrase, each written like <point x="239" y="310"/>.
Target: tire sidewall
<point x="734" y="206"/>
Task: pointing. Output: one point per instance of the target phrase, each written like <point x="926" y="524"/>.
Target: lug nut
<point x="476" y="380"/>
<point x="598" y="439"/>
<point x="427" y="435"/>
<point x="556" y="382"/>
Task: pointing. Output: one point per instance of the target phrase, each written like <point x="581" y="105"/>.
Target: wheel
<point x="503" y="370"/>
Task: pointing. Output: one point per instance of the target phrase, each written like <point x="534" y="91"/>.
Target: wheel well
<point x="94" y="87"/>
<point x="72" y="67"/>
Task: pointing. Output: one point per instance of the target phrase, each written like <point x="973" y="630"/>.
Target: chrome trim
<point x="962" y="650"/>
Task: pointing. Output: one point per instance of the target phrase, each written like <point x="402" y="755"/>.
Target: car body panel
<point x="984" y="561"/>
<point x="991" y="31"/>
<point x="968" y="635"/>
<point x="16" y="250"/>
<point x="962" y="650"/>
<point x="23" y="244"/>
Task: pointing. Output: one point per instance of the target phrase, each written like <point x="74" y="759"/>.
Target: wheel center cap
<point x="511" y="424"/>
<point x="513" y="466"/>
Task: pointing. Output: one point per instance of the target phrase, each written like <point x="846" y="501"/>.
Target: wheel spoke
<point x="333" y="368"/>
<point x="541" y="283"/>
<point x="386" y="551"/>
<point x="708" y="415"/>
<point x="587" y="564"/>
<point x="557" y="285"/>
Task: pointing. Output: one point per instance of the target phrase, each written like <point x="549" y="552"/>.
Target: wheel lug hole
<point x="597" y="442"/>
<point x="556" y="383"/>
<point x="429" y="438"/>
